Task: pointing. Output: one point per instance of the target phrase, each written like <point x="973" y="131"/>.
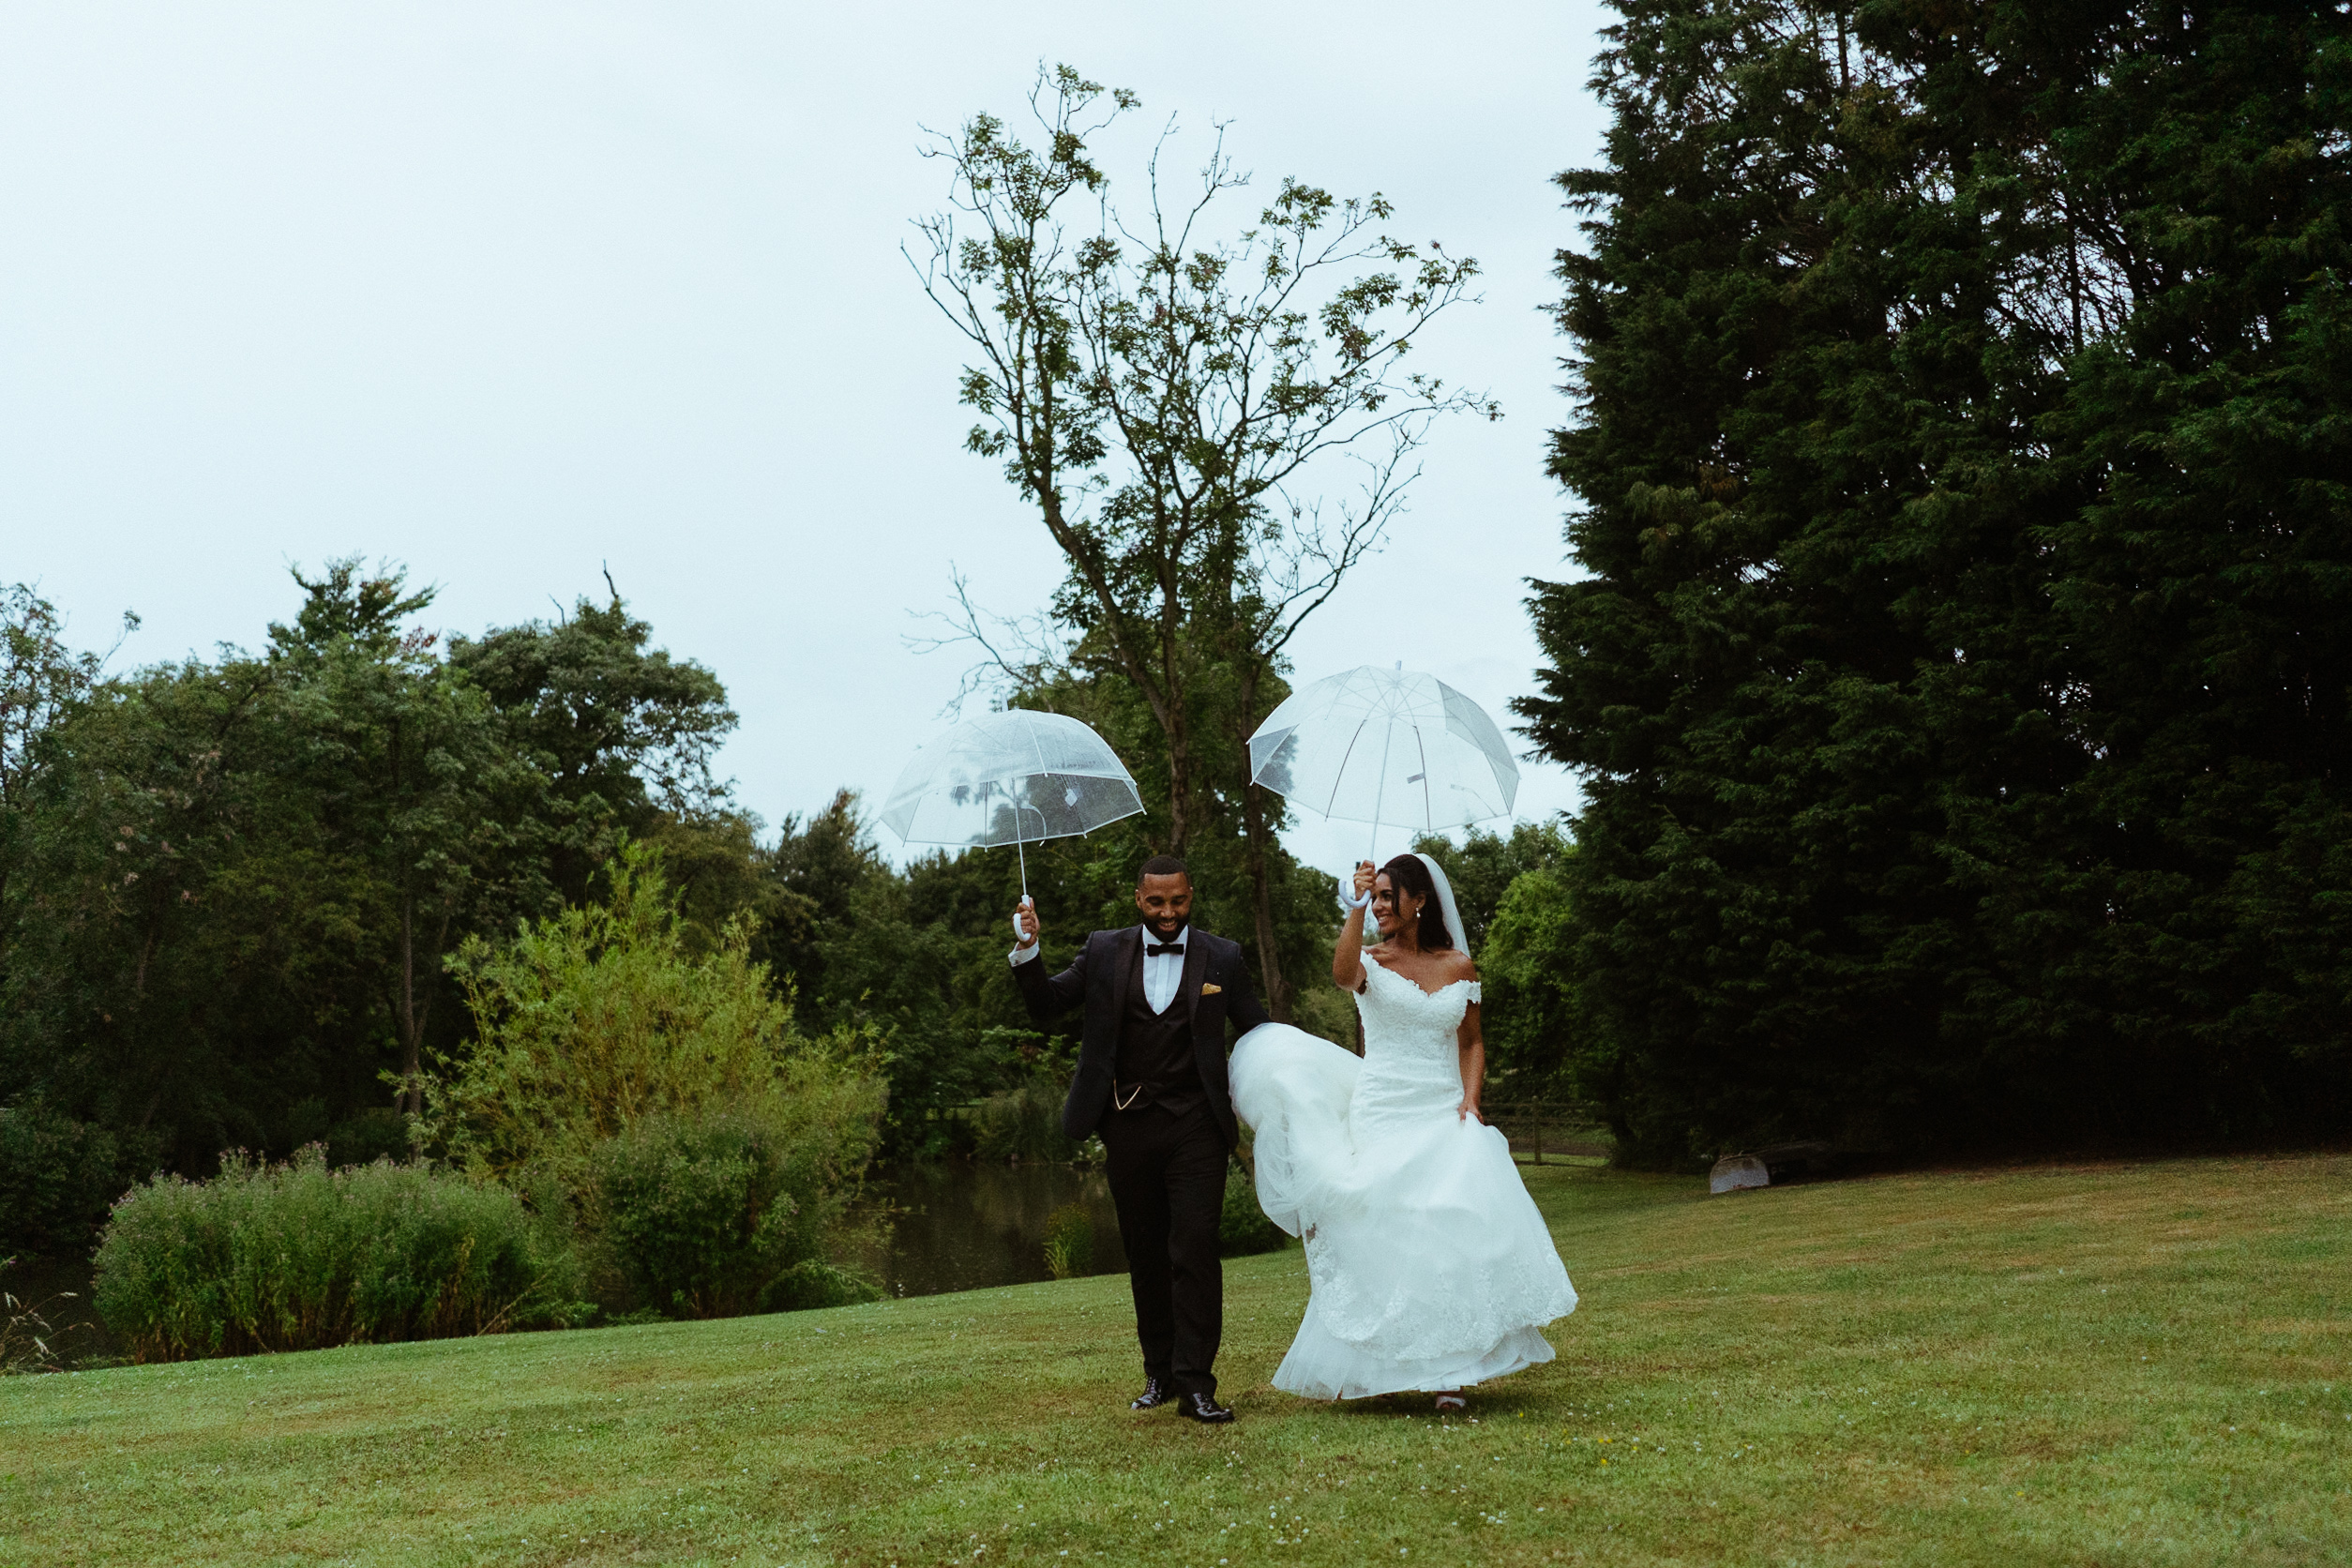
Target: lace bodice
<point x="1401" y="1017"/>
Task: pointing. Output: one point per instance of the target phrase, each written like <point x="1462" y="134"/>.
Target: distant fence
<point x="1558" y="1128"/>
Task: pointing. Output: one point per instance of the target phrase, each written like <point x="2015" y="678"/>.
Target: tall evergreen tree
<point x="1958" y="665"/>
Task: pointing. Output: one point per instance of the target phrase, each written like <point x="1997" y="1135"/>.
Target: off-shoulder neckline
<point x="1374" y="961"/>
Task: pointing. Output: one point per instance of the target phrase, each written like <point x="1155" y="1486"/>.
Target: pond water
<point x="964" y="1225"/>
<point x="59" y="1290"/>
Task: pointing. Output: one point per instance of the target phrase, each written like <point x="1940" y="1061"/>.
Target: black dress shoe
<point x="1154" y="1394"/>
<point x="1202" y="1408"/>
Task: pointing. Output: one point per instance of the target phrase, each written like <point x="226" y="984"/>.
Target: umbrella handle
<point x="1018" y="848"/>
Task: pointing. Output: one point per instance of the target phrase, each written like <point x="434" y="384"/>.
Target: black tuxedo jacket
<point x="1215" y="987"/>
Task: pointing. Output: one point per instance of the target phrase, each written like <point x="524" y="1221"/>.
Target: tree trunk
<point x="1255" y="835"/>
<point x="1163" y="687"/>
<point x="146" y="957"/>
<point x="1261" y="900"/>
<point x="1179" y="787"/>
<point x="412" y="1097"/>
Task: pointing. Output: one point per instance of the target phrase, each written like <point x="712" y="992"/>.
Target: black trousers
<point x="1167" y="1173"/>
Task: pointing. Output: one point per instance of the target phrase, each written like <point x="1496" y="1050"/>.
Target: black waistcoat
<point x="1156" y="1053"/>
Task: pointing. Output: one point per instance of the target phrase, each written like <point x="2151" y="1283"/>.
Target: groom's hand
<point x="1025" y="923"/>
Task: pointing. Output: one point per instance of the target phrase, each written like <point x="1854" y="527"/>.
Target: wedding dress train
<point x="1428" y="1265"/>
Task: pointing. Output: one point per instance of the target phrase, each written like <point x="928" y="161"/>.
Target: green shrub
<point x="1024" y="1124"/>
<point x="661" y="1088"/>
<point x="298" y="1257"/>
<point x="724" y="1212"/>
<point x="56" y="1178"/>
<point x="1069" y="1242"/>
<point x="1243" y="1228"/>
<point x="602" y="1016"/>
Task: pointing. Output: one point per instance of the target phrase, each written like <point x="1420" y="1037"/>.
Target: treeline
<point x="241" y="898"/>
<point x="275" y="898"/>
<point x="1961" y="663"/>
<point x="228" y="887"/>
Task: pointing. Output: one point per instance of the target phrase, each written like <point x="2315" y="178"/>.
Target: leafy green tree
<point x="181" y="952"/>
<point x="1485" y="865"/>
<point x="42" y="679"/>
<point x="1957" y="669"/>
<point x="401" y="761"/>
<point x="719" y="872"/>
<point x="818" y="872"/>
<point x="56" y="1178"/>
<point x="1537" y="1044"/>
<point x="622" y="736"/>
<point x="230" y="884"/>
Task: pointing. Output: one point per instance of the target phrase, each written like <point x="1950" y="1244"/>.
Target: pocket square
<point x="1211" y="988"/>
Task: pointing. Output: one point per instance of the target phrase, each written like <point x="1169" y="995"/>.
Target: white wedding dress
<point x="1428" y="1265"/>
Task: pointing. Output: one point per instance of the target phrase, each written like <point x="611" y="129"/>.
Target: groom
<point x="1151" y="1080"/>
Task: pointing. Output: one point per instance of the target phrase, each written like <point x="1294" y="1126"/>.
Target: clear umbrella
<point x="1010" y="777"/>
<point x="1391" y="747"/>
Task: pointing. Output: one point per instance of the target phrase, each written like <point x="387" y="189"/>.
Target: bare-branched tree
<point x="1215" y="429"/>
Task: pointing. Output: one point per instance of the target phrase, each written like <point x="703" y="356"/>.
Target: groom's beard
<point x="1169" y="932"/>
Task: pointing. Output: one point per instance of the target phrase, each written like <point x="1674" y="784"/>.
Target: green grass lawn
<point x="2116" y="1364"/>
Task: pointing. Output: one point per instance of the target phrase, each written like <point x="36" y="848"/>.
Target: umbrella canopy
<point x="1010" y="778"/>
<point x="1391" y="747"/>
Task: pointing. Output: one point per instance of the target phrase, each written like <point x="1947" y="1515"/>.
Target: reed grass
<point x="1070" y="1241"/>
<point x="298" y="1257"/>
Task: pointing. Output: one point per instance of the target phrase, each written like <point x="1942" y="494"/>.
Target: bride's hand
<point x="1364" y="879"/>
<point x="1467" y="1111"/>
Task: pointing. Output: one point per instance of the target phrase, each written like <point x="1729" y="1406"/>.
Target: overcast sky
<point x="513" y="293"/>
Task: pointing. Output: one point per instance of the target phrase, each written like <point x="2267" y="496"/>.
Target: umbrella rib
<point x="1341" y="771"/>
<point x="1428" y="813"/>
<point x="1036" y="750"/>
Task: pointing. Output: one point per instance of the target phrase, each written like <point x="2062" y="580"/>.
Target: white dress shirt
<point x="1163" y="973"/>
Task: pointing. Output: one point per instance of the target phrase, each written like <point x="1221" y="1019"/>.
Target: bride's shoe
<point x="1452" y="1400"/>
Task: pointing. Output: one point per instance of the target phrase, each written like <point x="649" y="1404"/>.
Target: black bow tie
<point x="1153" y="949"/>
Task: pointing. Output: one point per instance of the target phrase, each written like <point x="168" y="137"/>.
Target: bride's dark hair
<point x="1407" y="874"/>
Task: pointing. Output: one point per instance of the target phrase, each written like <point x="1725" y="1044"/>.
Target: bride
<point x="1429" y="1268"/>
